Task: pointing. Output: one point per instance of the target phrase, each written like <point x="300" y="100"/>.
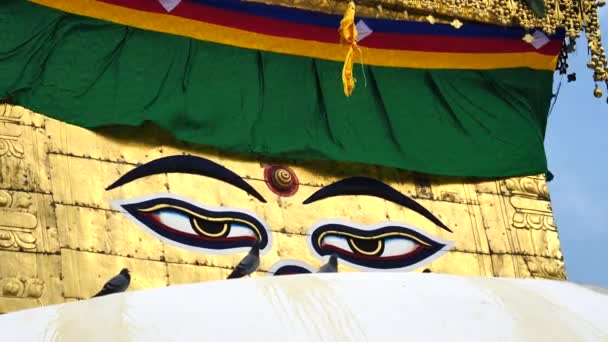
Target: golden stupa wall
<point x="60" y="239"/>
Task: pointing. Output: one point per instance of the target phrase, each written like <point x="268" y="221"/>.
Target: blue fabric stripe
<point x="378" y="25"/>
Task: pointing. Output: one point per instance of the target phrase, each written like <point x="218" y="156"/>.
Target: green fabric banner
<point x="92" y="74"/>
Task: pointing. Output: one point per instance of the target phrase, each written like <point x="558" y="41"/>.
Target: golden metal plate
<point x="61" y="239"/>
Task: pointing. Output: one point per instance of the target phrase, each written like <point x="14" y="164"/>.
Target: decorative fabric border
<point x="291" y="31"/>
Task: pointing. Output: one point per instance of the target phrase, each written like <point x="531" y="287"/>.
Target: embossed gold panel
<point x="61" y="237"/>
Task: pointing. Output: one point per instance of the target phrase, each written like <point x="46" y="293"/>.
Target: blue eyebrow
<point x="372" y="187"/>
<point x="189" y="165"/>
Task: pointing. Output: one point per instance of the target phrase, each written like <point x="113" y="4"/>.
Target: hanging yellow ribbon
<point x="348" y="36"/>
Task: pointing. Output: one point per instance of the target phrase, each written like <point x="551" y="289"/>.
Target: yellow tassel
<point x="348" y="36"/>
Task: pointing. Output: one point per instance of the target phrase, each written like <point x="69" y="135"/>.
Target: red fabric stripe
<point x="389" y="41"/>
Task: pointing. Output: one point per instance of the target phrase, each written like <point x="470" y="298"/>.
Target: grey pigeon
<point x="331" y="266"/>
<point x="119" y="283"/>
<point x="249" y="264"/>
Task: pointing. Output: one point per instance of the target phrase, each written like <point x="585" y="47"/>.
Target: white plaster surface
<point x="328" y="307"/>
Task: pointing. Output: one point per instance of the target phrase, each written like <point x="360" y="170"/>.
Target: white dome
<point x="328" y="307"/>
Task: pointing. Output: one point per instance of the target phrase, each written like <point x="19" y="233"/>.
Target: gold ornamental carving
<point x="21" y="288"/>
<point x="546" y="270"/>
<point x="533" y="221"/>
<point x="530" y="199"/>
<point x="571" y="16"/>
<point x="531" y="186"/>
<point x="10" y="133"/>
<point x="17" y="221"/>
<point x="7" y="114"/>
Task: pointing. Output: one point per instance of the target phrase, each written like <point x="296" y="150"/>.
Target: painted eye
<point x="195" y="226"/>
<point x="180" y="219"/>
<point x="378" y="247"/>
<point x="388" y="246"/>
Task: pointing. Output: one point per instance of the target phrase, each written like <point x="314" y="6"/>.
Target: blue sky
<point x="577" y="150"/>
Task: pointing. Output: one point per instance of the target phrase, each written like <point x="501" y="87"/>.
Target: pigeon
<point x="249" y="264"/>
<point x="119" y="283"/>
<point x="331" y="266"/>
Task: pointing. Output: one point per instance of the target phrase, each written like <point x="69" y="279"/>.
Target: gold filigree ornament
<point x="456" y="23"/>
<point x="528" y="38"/>
<point x="572" y="16"/>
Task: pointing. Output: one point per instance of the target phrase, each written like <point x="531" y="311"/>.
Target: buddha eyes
<point x="198" y="227"/>
<point x="222" y="230"/>
<point x="387" y="246"/>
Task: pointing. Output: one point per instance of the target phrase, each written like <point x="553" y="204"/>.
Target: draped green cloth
<point x="93" y="74"/>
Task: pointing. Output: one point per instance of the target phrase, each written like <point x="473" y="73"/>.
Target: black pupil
<point x="212" y="227"/>
<point x="366" y="245"/>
